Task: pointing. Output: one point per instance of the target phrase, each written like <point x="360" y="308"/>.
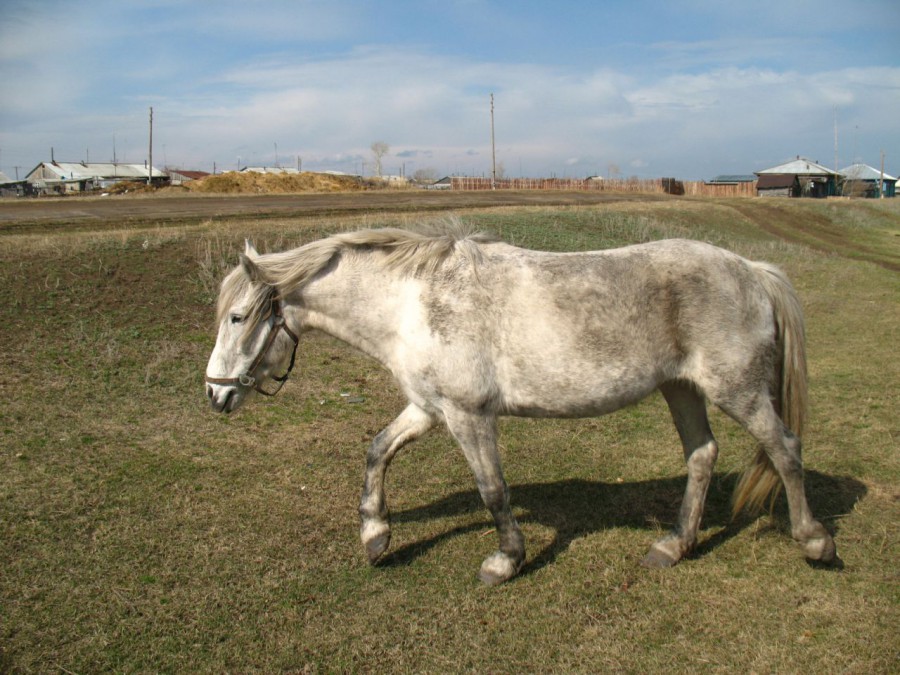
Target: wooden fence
<point x="697" y="188"/>
<point x="647" y="185"/>
<point x="613" y="185"/>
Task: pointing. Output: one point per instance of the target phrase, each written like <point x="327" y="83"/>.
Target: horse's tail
<point x="761" y="481"/>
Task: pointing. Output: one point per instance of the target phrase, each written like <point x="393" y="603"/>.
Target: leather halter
<point x="248" y="379"/>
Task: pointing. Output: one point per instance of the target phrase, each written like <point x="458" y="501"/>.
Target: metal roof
<point x="269" y="169"/>
<point x="89" y="170"/>
<point x="192" y="175"/>
<point x="800" y="167"/>
<point x="733" y="178"/>
<point x="863" y="172"/>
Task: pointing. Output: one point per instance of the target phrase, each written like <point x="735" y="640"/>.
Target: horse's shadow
<point x="575" y="508"/>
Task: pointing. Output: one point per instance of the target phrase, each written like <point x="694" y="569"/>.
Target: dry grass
<point x="142" y="533"/>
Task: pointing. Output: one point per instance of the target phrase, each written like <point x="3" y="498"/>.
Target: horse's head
<point x="254" y="349"/>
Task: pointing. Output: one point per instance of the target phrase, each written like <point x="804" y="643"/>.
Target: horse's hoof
<point x="820" y="549"/>
<point x="377" y="546"/>
<point x="376" y="538"/>
<point x="658" y="559"/>
<point x="817" y="543"/>
<point x="497" y="568"/>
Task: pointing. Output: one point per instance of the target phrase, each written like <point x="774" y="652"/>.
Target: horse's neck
<point x="352" y="303"/>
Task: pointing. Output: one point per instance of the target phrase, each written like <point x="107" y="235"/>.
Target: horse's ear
<point x="250" y="268"/>
<point x="249" y="249"/>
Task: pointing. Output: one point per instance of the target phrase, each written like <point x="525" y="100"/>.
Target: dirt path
<point x="813" y="231"/>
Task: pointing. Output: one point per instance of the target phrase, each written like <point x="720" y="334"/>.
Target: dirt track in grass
<point x="816" y="231"/>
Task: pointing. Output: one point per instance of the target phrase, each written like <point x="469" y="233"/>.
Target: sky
<point x="690" y="89"/>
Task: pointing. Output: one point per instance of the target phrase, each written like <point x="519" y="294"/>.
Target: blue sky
<point x="689" y="89"/>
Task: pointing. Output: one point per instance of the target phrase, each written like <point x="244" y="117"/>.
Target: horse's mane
<point x="415" y="251"/>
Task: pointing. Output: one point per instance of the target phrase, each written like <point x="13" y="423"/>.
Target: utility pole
<point x="881" y="184"/>
<point x="150" y="168"/>
<point x="493" y="149"/>
<point x="835" y="141"/>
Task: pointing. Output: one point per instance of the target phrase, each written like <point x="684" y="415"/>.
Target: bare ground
<point x="93" y="211"/>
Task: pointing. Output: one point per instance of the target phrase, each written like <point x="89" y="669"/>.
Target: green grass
<point x="141" y="533"/>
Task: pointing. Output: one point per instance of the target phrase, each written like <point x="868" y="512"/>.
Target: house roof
<point x="268" y="169"/>
<point x="192" y="175"/>
<point x="90" y="170"/>
<point x="733" y="178"/>
<point x="776" y="180"/>
<point x="863" y="172"/>
<point x="800" y="167"/>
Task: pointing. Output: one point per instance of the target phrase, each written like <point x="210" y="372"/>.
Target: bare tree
<point x="379" y="150"/>
<point x="426" y="175"/>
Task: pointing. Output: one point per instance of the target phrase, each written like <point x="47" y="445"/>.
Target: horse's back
<point x="612" y="302"/>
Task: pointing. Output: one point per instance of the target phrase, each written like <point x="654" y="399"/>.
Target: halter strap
<point x="248" y="378"/>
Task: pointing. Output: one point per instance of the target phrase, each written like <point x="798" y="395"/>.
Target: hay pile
<point x="233" y="182"/>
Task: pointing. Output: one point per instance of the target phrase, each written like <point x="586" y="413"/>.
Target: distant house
<point x="182" y="177"/>
<point x="862" y="180"/>
<point x="445" y="183"/>
<point x="70" y="177"/>
<point x="393" y="181"/>
<point x="813" y="179"/>
<point x="778" y="185"/>
<point x="10" y="187"/>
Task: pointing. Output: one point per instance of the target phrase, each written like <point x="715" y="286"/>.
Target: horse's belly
<point x="573" y="395"/>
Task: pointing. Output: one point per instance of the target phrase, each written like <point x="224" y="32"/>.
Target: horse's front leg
<point x="375" y="528"/>
<point x="477" y="435"/>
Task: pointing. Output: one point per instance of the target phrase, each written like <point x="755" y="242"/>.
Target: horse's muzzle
<point x="222" y="399"/>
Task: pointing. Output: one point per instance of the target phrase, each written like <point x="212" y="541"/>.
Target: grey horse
<point x="473" y="328"/>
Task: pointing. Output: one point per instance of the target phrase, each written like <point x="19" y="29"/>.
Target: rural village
<point x="800" y="177"/>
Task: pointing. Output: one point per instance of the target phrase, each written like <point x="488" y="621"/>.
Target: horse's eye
<point x="236" y="318"/>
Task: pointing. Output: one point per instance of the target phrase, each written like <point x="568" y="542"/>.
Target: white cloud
<point x="543" y="115"/>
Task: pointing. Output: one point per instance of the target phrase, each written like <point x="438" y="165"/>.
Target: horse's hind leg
<point x="688" y="409"/>
<point x="477" y="435"/>
<point x="375" y="528"/>
<point x="783" y="449"/>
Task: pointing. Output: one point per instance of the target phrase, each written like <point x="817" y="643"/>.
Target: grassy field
<point x="140" y="532"/>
